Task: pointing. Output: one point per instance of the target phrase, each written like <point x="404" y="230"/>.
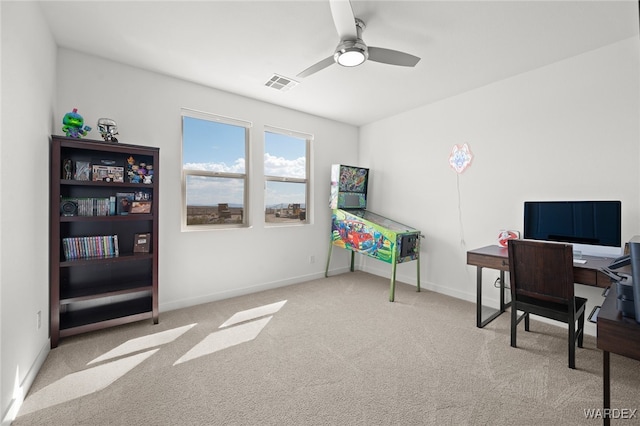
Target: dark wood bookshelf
<point x="99" y="291"/>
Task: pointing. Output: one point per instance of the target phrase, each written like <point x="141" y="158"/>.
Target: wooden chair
<point x="541" y="276"/>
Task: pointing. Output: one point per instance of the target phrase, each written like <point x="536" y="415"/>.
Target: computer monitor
<point x="593" y="227"/>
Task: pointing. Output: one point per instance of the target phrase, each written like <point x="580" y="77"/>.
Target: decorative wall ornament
<point x="460" y="158"/>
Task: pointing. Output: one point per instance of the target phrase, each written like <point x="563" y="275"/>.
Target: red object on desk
<point x="505" y="236"/>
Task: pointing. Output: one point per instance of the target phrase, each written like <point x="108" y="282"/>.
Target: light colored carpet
<point x="331" y="351"/>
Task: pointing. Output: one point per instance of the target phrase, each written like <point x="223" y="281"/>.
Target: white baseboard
<point x="23" y="388"/>
<point x="185" y="303"/>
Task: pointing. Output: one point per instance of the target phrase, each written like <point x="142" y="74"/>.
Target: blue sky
<point x="214" y="146"/>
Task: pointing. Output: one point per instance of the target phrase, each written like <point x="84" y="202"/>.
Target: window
<point x="286" y="170"/>
<point x="214" y="170"/>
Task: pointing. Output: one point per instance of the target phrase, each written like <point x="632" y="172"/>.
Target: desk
<point x="618" y="335"/>
<point x="497" y="257"/>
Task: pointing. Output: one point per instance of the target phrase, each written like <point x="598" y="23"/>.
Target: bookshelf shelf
<point x="130" y="257"/>
<point x="126" y="218"/>
<point x="105" y="290"/>
<point x="106" y="184"/>
<point x="90" y="288"/>
<point x="86" y="320"/>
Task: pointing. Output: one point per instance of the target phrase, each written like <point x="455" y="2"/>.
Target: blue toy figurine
<point x="72" y="125"/>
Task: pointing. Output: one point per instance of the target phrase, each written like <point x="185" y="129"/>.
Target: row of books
<point x="89" y="206"/>
<point x="87" y="247"/>
<point x="122" y="203"/>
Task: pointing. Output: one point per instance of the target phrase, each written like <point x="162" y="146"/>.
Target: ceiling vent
<point x="281" y="83"/>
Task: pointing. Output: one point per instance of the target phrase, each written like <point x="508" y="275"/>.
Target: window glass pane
<point x="285" y="202"/>
<point x="214" y="200"/>
<point x="284" y="156"/>
<point x="212" y="146"/>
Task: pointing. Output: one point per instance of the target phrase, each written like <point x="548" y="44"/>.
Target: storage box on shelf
<point x="102" y="195"/>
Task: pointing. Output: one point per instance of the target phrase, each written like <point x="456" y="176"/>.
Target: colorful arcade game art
<point x="361" y="231"/>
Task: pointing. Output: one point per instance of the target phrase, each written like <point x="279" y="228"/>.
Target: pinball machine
<point x="358" y="230"/>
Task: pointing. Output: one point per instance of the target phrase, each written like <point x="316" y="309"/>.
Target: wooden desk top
<point x="497" y="257"/>
<point x="616" y="333"/>
<point x="494" y="257"/>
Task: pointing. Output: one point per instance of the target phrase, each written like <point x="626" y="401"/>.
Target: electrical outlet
<point x="312" y="259"/>
<point x="39" y="320"/>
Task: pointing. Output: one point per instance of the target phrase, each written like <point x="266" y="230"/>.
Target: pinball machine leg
<point x="418" y="273"/>
<point x="353" y="255"/>
<point x="392" y="289"/>
<point x="326" y="271"/>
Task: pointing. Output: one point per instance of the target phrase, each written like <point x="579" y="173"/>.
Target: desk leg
<point x="606" y="387"/>
<point x="479" y="297"/>
<point x="495" y="313"/>
<point x="503" y="305"/>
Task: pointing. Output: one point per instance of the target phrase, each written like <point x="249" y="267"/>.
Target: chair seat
<point x="549" y="309"/>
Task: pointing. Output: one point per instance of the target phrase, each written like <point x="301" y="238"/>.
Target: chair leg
<point x="581" y="329"/>
<point x="572" y="343"/>
<point x="526" y="321"/>
<point x="514" y="325"/>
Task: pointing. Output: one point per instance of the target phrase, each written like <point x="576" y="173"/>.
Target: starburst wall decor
<point x="460" y="158"/>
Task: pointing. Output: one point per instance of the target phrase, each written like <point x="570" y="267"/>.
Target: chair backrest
<point x="542" y="270"/>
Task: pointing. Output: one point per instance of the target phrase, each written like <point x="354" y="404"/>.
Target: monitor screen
<point x="593" y="227"/>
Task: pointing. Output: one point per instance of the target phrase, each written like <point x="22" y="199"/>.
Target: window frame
<point x="247" y="125"/>
<point x="308" y="139"/>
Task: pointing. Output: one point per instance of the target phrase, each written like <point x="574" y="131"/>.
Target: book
<point x="141" y="243"/>
<point x="123" y="202"/>
<point x="112" y="205"/>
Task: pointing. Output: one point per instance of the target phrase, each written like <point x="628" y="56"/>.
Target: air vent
<point x="281" y="83"/>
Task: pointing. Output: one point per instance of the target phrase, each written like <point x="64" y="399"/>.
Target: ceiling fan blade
<point x="317" y="67"/>
<point x="392" y="57"/>
<point x="344" y="19"/>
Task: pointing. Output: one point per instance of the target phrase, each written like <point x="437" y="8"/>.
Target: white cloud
<point x="236" y="167"/>
<point x="279" y="166"/>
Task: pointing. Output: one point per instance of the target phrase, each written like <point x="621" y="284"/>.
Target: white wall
<point x="566" y="131"/>
<point x="196" y="267"/>
<point x="28" y="91"/>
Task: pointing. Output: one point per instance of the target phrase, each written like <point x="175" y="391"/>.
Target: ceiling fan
<point x="352" y="50"/>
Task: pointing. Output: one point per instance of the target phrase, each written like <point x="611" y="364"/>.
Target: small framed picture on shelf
<point x="123" y="202"/>
<point x="141" y="243"/>
<point x="140" y="207"/>
<point x="142" y="196"/>
<point x="83" y="170"/>
<point x="108" y="173"/>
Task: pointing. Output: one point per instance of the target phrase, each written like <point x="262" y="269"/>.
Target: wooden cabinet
<point x="103" y="235"/>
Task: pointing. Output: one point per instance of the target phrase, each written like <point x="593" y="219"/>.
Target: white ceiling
<point x="236" y="46"/>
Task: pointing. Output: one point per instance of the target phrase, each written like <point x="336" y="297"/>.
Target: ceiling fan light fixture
<point x="351" y="53"/>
